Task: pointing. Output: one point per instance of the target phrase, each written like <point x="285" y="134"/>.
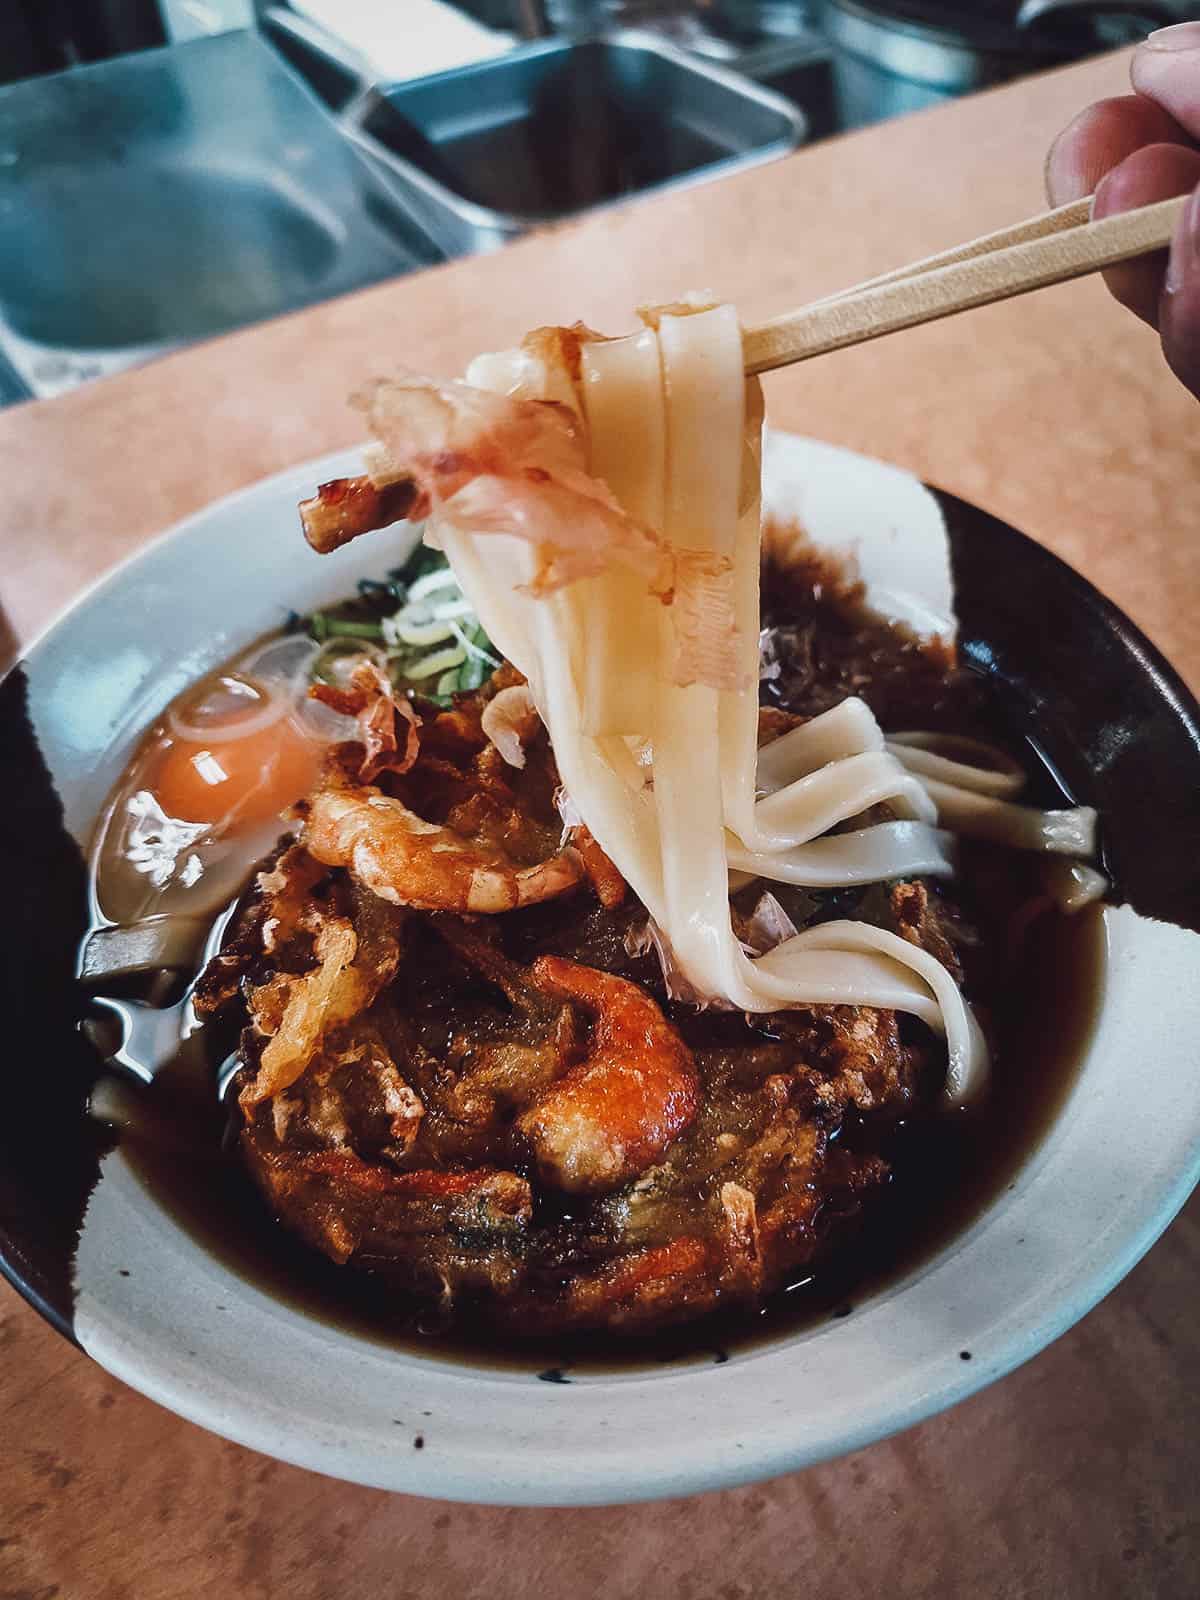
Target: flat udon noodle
<point x="884" y="851"/>
<point x="812" y="774"/>
<point x="676" y="430"/>
<point x="976" y="800"/>
<point x="517" y="463"/>
<point x="1073" y="884"/>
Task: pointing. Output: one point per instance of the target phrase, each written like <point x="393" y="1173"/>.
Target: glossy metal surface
<point x="890" y="57"/>
<point x="482" y="154"/>
<point x="165" y="197"/>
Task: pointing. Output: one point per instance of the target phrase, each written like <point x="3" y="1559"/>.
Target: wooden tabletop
<point x="1076" y="1475"/>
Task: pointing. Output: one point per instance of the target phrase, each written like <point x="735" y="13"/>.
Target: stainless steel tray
<point x="164" y="197"/>
<point x="484" y="153"/>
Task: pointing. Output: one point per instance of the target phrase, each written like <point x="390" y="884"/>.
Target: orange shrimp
<point x="615" y="1113"/>
<point x="599" y="869"/>
<point x="411" y="862"/>
<point x="349" y="1200"/>
<point x="499" y="1193"/>
<point x="647" y="1286"/>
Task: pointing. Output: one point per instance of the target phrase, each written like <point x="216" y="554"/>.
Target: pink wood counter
<point x="1075" y="1476"/>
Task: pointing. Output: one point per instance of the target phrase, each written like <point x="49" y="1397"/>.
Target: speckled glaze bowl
<point x="86" y="1243"/>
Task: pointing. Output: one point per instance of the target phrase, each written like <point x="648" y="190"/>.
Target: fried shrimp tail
<point x="601" y="871"/>
<point x="345" y="508"/>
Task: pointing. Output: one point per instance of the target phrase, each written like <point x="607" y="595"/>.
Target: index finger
<point x="1100" y="138"/>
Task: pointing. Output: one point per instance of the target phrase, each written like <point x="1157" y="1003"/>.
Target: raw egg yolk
<point x="247" y="780"/>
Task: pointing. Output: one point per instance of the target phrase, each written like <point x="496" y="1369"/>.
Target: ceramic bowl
<point x="117" y="1273"/>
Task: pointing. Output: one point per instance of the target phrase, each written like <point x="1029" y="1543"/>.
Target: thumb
<point x="1166" y="69"/>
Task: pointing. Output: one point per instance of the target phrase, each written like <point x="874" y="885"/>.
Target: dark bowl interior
<point x="1111" y="716"/>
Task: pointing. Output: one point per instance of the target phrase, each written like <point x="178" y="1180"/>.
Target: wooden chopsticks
<point x="1051" y="248"/>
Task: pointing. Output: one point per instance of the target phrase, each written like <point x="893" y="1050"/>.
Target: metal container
<point x="893" y="56"/>
<point x="801" y="70"/>
<point x="334" y="71"/>
<point x="760" y="19"/>
<point x="483" y="154"/>
<point x="164" y="197"/>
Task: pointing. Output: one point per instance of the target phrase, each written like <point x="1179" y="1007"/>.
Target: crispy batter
<point x="299" y="1012"/>
<point x="743" y="1248"/>
<point x="495" y="1196"/>
<point x="923" y="921"/>
<point x="345" y="958"/>
<point x="860" y="1062"/>
<point x="695" y="1150"/>
<point x="648" y="1287"/>
<point x="282" y="893"/>
<point x="342" y="1204"/>
<point x="287" y="890"/>
<point x="505" y="1113"/>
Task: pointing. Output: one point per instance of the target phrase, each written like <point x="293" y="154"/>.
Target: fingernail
<point x="1184" y="259"/>
<point x="1182" y="36"/>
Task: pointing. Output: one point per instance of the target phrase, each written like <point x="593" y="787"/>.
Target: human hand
<point x="1135" y="149"/>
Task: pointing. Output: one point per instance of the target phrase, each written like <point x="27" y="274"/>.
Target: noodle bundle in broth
<point x="652" y="707"/>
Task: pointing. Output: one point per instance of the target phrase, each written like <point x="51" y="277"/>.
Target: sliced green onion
<point x="472" y="673"/>
<point x="421" y="633"/>
<point x="470" y="647"/>
<point x="422" y="560"/>
<point x="323" y="627"/>
<point x="431" y="582"/>
<point x="439" y="661"/>
<point x="353" y="628"/>
<point x="431" y="611"/>
<point x="449" y="610"/>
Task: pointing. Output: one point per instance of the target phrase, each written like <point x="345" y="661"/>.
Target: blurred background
<point x="171" y="169"/>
